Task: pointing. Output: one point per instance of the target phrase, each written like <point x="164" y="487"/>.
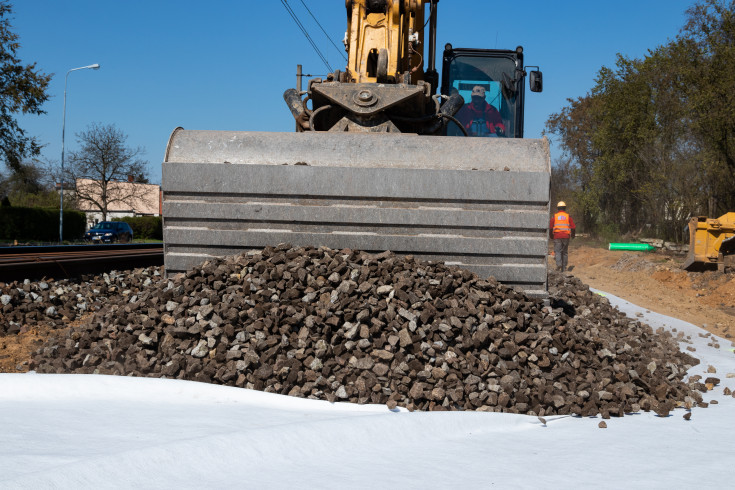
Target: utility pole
<point x="299" y="77"/>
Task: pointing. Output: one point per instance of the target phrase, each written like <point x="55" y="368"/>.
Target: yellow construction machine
<point x="383" y="158"/>
<point x="710" y="240"/>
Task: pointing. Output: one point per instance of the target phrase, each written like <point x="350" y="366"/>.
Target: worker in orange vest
<point x="561" y="229"/>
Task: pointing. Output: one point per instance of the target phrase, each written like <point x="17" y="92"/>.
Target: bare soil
<point x="14" y="349"/>
<point x="655" y="281"/>
<point x="17" y="350"/>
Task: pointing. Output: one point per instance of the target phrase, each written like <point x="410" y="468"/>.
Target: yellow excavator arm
<point x="384" y="88"/>
<point x="384" y="41"/>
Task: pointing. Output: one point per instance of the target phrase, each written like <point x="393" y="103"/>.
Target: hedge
<point x="39" y="224"/>
<point x="145" y="226"/>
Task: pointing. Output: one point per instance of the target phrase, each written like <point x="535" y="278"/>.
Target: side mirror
<point x="536" y="81"/>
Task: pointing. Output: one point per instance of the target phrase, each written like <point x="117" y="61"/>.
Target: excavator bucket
<point x="710" y="240"/>
<point x="478" y="203"/>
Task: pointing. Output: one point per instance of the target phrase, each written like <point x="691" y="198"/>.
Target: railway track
<point x="65" y="261"/>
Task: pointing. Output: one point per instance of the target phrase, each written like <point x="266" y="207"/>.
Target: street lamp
<point x="96" y="66"/>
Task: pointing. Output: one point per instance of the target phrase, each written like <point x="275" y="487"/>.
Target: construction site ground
<point x="76" y="430"/>
<point x="653" y="280"/>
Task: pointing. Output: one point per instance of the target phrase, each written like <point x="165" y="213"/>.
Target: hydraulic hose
<point x="429" y="118"/>
<point x="315" y="113"/>
<point x="455" y="121"/>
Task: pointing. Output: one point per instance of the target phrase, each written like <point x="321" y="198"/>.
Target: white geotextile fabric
<point x="77" y="431"/>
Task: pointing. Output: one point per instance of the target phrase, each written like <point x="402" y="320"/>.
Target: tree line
<point x="653" y="142"/>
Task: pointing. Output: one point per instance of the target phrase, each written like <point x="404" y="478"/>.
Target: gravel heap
<point x="24" y="304"/>
<point x="351" y="326"/>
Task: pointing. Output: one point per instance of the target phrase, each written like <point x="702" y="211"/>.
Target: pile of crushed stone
<point x="344" y="325"/>
<point x="56" y="303"/>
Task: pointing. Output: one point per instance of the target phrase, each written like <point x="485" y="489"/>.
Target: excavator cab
<point x="499" y="72"/>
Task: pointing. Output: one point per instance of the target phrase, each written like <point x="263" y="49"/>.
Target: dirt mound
<point x="347" y="325"/>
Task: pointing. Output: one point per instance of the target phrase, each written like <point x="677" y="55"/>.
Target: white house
<point x="126" y="199"/>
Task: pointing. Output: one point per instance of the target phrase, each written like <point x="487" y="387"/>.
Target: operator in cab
<point x="480" y="118"/>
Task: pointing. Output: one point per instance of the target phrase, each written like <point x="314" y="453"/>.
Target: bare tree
<point x="104" y="170"/>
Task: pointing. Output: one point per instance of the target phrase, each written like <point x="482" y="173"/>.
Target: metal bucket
<point x="479" y="203"/>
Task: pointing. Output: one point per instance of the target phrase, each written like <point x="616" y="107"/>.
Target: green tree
<point x="652" y="143"/>
<point x="574" y="126"/>
<point x="22" y="90"/>
<point x="709" y="38"/>
<point x="632" y="150"/>
<point x="31" y="186"/>
<point x="26" y="179"/>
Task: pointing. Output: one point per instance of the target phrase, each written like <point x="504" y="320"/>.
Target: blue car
<point x="110" y="232"/>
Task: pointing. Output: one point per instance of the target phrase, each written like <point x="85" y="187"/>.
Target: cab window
<point x="497" y="77"/>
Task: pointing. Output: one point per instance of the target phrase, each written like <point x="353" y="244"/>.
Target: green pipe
<point x="636" y="247"/>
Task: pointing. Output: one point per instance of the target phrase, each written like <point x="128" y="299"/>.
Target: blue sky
<point x="225" y="64"/>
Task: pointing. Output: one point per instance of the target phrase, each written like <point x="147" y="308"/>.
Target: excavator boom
<point x="384" y="40"/>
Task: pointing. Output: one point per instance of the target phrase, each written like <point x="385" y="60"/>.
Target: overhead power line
<point x="306" y="34"/>
<point x="340" y="51"/>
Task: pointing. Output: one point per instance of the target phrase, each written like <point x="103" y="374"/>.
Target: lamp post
<point x="95" y="66"/>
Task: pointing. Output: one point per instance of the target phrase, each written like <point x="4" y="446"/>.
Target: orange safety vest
<point x="561" y="224"/>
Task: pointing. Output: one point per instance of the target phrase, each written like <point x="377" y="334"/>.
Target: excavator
<point x="710" y="241"/>
<point x="384" y="157"/>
